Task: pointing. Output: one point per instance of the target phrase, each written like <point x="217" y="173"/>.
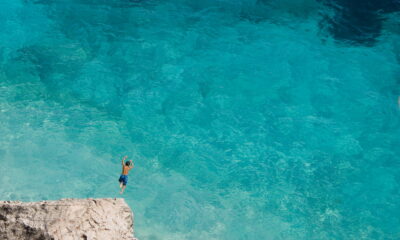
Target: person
<point x="123" y="179"/>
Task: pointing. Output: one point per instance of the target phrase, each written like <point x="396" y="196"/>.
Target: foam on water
<point x="246" y="119"/>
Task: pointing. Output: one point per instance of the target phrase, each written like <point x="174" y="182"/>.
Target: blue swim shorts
<point x="123" y="179"/>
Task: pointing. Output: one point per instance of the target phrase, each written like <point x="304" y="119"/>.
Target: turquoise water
<point x="245" y="119"/>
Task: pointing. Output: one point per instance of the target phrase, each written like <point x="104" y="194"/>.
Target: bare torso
<point x="125" y="170"/>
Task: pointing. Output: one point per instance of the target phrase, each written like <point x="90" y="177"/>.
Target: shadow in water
<point x="359" y="21"/>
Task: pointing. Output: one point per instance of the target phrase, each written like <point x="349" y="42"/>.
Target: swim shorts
<point x="123" y="179"/>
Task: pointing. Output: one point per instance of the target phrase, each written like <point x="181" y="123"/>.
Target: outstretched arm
<point x="123" y="159"/>
<point x="131" y="165"/>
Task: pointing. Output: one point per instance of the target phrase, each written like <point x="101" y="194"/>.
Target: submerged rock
<point x="66" y="219"/>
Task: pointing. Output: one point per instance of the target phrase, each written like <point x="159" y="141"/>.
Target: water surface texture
<point x="246" y="119"/>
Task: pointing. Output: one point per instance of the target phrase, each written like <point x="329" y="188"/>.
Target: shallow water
<point x="245" y="119"/>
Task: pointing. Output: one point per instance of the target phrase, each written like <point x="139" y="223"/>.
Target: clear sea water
<point x="246" y="119"/>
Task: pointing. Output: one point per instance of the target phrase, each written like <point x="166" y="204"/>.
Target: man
<point x="123" y="179"/>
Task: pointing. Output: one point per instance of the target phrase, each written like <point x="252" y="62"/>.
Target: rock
<point x="66" y="219"/>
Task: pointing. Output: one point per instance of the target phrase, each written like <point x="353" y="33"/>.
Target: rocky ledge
<point x="66" y="219"/>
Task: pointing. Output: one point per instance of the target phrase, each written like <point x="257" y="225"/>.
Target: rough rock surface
<point x="66" y="219"/>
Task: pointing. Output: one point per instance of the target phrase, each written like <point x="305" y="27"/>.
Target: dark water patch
<point x="359" y="21"/>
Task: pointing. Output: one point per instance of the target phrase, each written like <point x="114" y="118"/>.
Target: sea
<point x="245" y="119"/>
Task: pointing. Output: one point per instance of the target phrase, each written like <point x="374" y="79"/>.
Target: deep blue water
<point x="246" y="119"/>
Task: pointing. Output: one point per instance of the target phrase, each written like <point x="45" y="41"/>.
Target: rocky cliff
<point x="66" y="219"/>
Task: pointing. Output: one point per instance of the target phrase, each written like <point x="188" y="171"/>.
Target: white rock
<point x="75" y="219"/>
